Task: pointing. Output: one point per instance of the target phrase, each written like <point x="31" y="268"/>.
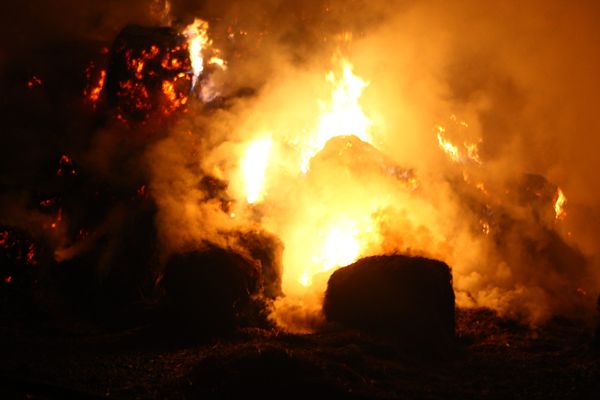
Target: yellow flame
<point x="340" y="247"/>
<point x="218" y="62"/>
<point x="198" y="40"/>
<point x="559" y="205"/>
<point x="343" y="117"/>
<point x="450" y="149"/>
<point x="254" y="166"/>
<point x="473" y="152"/>
<point x="469" y="152"/>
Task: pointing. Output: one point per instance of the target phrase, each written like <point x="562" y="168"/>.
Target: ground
<point x="494" y="358"/>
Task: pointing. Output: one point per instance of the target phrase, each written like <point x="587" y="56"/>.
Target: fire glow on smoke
<point x="313" y="170"/>
<point x="343" y="150"/>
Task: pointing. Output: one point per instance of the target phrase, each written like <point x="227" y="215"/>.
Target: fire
<point x="198" y="40"/>
<point x="469" y="152"/>
<point x="93" y="94"/>
<point x="559" y="205"/>
<point x="176" y="99"/>
<point x="450" y="149"/>
<point x="318" y="248"/>
<point x="327" y="233"/>
<point x="340" y="247"/>
<point x="254" y="166"/>
<point x="473" y="152"/>
<point x="344" y="115"/>
<point x="218" y="62"/>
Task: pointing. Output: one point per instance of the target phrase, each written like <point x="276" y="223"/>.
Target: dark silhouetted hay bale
<point x="209" y="290"/>
<point x="409" y="298"/>
<point x="267" y="250"/>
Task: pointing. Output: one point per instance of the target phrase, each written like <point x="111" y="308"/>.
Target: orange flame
<point x="344" y="115"/>
<point x="559" y="205"/>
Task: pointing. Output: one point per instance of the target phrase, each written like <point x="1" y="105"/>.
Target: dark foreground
<point x="493" y="359"/>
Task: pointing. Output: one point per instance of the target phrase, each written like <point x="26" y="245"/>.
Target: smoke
<point x="518" y="80"/>
<point x="529" y="110"/>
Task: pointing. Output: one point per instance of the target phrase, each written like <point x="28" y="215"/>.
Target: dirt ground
<point x="494" y="358"/>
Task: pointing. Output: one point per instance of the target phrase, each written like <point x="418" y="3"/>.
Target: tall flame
<point x="198" y="40"/>
<point x="254" y="166"/>
<point x="344" y="115"/>
<point x="327" y="236"/>
<point x="559" y="204"/>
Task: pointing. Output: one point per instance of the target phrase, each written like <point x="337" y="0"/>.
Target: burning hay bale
<point x="148" y="72"/>
<point x="409" y="298"/>
<point x="209" y="290"/>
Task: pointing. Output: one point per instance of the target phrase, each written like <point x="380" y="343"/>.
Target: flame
<point x="559" y="205"/>
<point x="254" y="166"/>
<point x="315" y="248"/>
<point x="198" y="40"/>
<point x="343" y="117"/>
<point x="450" y="149"/>
<point x="469" y="151"/>
<point x="325" y="236"/>
<point x="473" y="152"/>
<point x="219" y="62"/>
<point x="340" y="247"/>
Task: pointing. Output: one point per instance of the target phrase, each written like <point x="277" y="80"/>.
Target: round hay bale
<point x="209" y="290"/>
<point x="409" y="298"/>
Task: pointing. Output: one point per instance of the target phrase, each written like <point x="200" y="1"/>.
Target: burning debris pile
<point x="244" y="211"/>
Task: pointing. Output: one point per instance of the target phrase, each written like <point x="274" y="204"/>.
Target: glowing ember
<point x="254" y="167"/>
<point x="559" y="204"/>
<point x="33" y="82"/>
<point x="343" y="116"/>
<point x="17" y="248"/>
<point x="66" y="166"/>
<point x="93" y="94"/>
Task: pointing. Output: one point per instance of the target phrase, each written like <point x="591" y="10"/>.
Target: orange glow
<point x="94" y="94"/>
<point x="326" y="235"/>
